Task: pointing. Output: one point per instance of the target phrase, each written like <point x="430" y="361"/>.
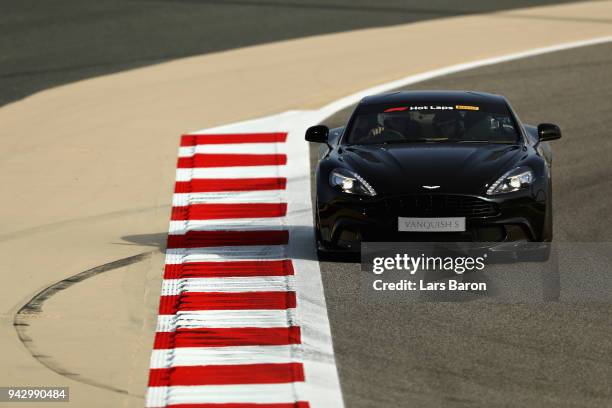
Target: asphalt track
<point x="481" y="354"/>
<point x="45" y="44"/>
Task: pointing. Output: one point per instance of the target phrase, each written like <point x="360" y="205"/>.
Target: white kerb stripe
<point x="222" y="394"/>
<point x="195" y="356"/>
<point x="172" y="287"/>
<point x="233" y="224"/>
<point x="234" y="148"/>
<point x="226" y="319"/>
<point x="187" y="174"/>
<point x="229" y="197"/>
<point x="228" y="253"/>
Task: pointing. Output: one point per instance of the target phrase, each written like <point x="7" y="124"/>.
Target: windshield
<point x="432" y="123"/>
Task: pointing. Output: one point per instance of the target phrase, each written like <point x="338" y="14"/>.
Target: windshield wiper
<point x="484" y="141"/>
<point x="414" y="141"/>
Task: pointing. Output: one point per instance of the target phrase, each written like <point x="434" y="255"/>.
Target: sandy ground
<point x="88" y="168"/>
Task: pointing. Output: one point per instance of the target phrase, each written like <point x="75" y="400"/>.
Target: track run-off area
<point x="121" y="201"/>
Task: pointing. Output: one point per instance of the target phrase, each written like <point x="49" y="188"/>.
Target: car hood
<point x="456" y="168"/>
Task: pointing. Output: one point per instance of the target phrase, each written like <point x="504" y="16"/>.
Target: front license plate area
<point x="445" y="224"/>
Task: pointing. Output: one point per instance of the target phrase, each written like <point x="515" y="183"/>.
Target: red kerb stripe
<point x="220" y="211"/>
<point x="227" y="374"/>
<point x="215" y="185"/>
<point x="190" y="301"/>
<point x="200" y="239"/>
<point x="227" y="337"/>
<point x="230" y="160"/>
<point x="192" y="140"/>
<point x="224" y="269"/>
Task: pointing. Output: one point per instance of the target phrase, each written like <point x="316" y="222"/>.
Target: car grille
<point x="441" y="205"/>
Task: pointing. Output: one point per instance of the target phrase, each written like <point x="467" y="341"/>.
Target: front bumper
<point x="345" y="221"/>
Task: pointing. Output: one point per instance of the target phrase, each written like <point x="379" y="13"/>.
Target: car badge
<point x="431" y="187"/>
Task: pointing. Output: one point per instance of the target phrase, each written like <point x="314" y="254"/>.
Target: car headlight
<point x="350" y="182"/>
<point x="514" y="180"/>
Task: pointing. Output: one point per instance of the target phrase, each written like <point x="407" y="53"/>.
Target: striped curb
<point x="229" y="331"/>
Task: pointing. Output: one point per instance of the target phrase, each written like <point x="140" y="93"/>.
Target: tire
<point x="327" y="252"/>
<point x="325" y="256"/>
<point x="322" y="254"/>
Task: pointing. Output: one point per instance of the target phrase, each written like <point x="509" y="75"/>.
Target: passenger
<point x="477" y="125"/>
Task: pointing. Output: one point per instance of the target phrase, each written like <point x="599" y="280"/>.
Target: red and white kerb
<point x="227" y="335"/>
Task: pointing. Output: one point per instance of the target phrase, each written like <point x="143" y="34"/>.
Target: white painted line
<point x="238" y="172"/>
<point x="228" y="197"/>
<point x="195" y="356"/>
<point x="226" y="319"/>
<point x="231" y="224"/>
<point x="171" y="287"/>
<point x="233" y="148"/>
<point x="349" y="100"/>
<point x="228" y="253"/>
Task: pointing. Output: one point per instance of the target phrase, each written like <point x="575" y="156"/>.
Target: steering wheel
<point x="391" y="135"/>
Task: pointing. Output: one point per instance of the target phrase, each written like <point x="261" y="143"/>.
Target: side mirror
<point x="317" y="134"/>
<point x="548" y="132"/>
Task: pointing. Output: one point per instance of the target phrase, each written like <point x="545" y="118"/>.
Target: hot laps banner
<point x="495" y="272"/>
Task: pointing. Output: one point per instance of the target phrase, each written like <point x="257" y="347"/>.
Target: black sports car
<point x="433" y="166"/>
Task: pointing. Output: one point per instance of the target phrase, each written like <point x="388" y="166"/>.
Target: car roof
<point x="450" y="97"/>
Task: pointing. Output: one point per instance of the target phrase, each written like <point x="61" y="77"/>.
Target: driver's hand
<point x="377" y="131"/>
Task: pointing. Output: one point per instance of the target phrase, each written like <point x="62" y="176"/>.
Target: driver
<point x="447" y="124"/>
<point x="395" y="123"/>
<point x="403" y="124"/>
<point x="364" y="127"/>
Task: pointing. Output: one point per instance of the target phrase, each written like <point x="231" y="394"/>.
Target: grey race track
<point x="498" y="355"/>
<point x="49" y="43"/>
